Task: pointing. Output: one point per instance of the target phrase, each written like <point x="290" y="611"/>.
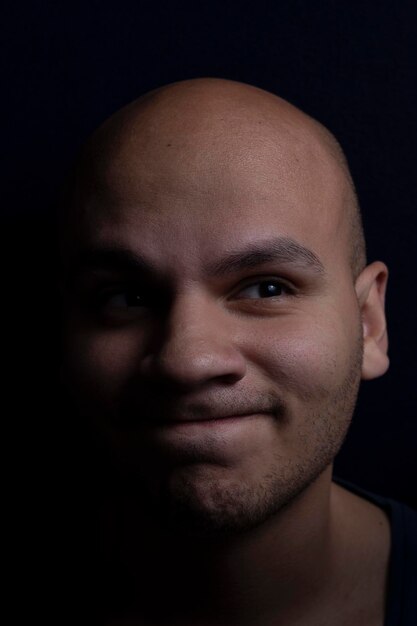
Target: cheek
<point x="309" y="360"/>
<point x="97" y="365"/>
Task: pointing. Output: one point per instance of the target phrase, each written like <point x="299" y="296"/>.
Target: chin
<point x="200" y="501"/>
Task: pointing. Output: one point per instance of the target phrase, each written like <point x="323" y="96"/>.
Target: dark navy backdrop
<point x="66" y="66"/>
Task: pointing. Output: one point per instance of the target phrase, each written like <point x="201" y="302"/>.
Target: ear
<point x="370" y="289"/>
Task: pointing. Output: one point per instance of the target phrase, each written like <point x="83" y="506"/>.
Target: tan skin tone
<point x="243" y="524"/>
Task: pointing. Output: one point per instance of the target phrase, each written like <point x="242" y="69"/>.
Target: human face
<point x="213" y="334"/>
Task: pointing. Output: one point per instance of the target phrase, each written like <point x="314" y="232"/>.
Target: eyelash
<point x="101" y="297"/>
<point x="284" y="286"/>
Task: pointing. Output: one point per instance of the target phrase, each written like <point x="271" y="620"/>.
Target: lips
<point x="219" y="408"/>
<point x="213" y="418"/>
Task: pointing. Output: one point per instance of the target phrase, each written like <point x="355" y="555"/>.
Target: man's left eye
<point x="264" y="289"/>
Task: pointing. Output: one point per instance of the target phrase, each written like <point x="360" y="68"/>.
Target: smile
<point x="209" y="422"/>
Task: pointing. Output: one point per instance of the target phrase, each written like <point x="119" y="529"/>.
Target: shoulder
<point x="401" y="586"/>
<point x="402" y="601"/>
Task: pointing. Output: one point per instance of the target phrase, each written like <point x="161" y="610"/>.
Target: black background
<point x="67" y="66"/>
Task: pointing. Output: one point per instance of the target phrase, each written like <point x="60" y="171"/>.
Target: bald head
<point x="193" y="132"/>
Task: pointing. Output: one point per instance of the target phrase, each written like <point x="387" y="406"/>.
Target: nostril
<point x="196" y="343"/>
<point x="194" y="365"/>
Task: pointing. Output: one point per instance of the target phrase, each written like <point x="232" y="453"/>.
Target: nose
<point x="196" y="345"/>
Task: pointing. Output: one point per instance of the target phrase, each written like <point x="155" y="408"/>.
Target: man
<point x="220" y="316"/>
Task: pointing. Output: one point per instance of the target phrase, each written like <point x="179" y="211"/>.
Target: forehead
<point x="186" y="197"/>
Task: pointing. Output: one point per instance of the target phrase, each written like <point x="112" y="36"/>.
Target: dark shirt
<point x="401" y="607"/>
<point x="401" y="603"/>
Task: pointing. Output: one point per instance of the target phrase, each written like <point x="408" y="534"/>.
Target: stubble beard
<point x="217" y="506"/>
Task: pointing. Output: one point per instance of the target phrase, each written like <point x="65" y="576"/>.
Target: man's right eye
<point x="122" y="299"/>
<point x="118" y="300"/>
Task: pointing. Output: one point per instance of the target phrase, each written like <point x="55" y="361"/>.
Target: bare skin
<point x="227" y="521"/>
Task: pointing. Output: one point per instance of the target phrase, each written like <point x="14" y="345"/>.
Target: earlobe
<point x="370" y="290"/>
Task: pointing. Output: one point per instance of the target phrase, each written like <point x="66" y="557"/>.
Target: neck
<point x="274" y="569"/>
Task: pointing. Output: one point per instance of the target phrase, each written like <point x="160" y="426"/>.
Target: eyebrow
<point x="279" y="249"/>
